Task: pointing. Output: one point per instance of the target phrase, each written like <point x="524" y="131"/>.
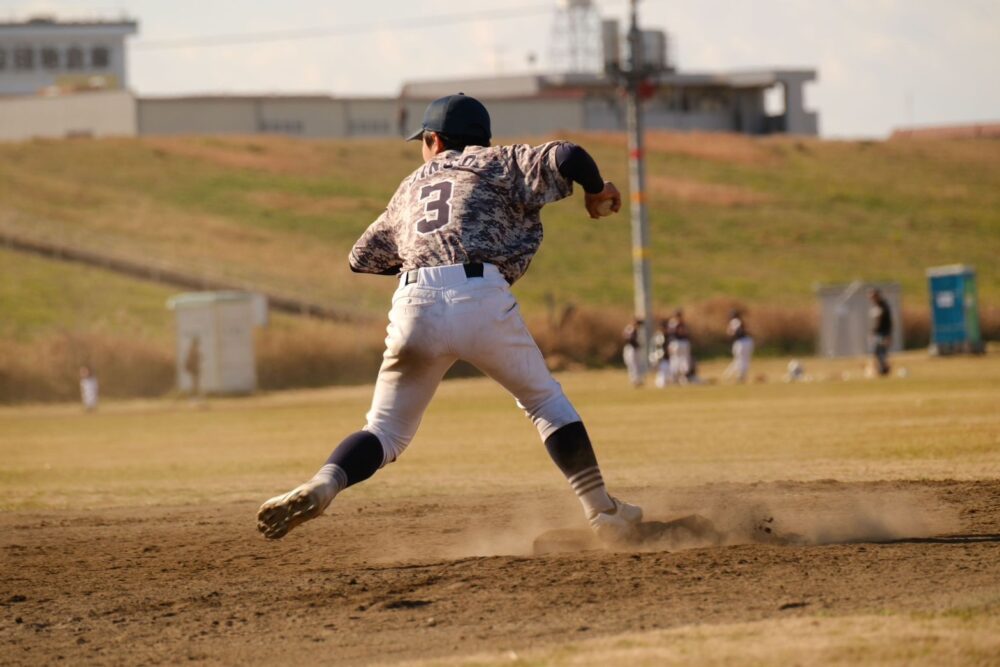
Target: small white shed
<point x="845" y="318"/>
<point x="215" y="351"/>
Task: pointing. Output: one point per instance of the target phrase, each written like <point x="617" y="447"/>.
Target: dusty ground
<point x="404" y="579"/>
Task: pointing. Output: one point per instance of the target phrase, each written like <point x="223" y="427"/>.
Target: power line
<point x="211" y="41"/>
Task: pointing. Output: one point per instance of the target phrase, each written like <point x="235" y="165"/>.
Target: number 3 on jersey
<point x="437" y="210"/>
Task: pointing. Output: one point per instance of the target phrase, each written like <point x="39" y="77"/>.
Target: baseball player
<point x="881" y="330"/>
<point x="660" y="357"/>
<point x="742" y="347"/>
<point x="631" y="351"/>
<point x="458" y="232"/>
<point x="679" y="347"/>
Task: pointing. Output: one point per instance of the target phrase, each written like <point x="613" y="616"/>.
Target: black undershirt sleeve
<point x="576" y="164"/>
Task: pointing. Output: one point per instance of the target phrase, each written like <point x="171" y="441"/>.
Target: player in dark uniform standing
<point x="881" y="318"/>
<point x="632" y="351"/>
<point x="458" y="232"/>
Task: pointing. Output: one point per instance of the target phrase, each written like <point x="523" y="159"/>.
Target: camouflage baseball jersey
<point x="479" y="205"/>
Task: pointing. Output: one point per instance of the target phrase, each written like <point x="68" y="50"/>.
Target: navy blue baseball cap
<point x="456" y="116"/>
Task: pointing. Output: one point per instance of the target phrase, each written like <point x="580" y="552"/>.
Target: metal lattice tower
<point x="576" y="37"/>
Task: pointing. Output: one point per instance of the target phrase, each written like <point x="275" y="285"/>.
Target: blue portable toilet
<point x="954" y="310"/>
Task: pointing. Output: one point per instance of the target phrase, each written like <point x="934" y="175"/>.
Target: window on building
<point x="24" y="57"/>
<point x="3" y="59"/>
<point x="100" y="57"/>
<point x="281" y="126"/>
<point x="74" y="58"/>
<point x="367" y="126"/>
<point x="50" y="58"/>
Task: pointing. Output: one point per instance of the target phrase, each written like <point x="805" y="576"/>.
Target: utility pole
<point x="633" y="80"/>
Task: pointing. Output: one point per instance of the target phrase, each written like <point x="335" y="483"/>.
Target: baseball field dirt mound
<point x="414" y="578"/>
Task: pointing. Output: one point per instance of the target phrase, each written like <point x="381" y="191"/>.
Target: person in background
<point x="192" y="364"/>
<point x="631" y="351"/>
<point x="660" y="358"/>
<point x="881" y="331"/>
<point x="742" y="347"/>
<point x="88" y="389"/>
<point x="679" y="347"/>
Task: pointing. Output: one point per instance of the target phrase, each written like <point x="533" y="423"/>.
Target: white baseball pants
<point x="441" y="318"/>
<point x="630" y="355"/>
<point x="680" y="360"/>
<point x="742" y="352"/>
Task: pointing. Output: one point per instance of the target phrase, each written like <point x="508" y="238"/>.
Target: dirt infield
<point x="404" y="579"/>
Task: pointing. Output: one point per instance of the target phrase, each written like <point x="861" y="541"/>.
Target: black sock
<point x="571" y="450"/>
<point x="359" y="456"/>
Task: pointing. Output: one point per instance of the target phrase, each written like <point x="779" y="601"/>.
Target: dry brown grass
<point x="277" y="200"/>
<point x="593" y="338"/>
<point x="573" y="338"/>
<point x="269" y="154"/>
<point x="48" y="369"/>
<point x="313" y="353"/>
<point x="691" y="191"/>
<point x="714" y="146"/>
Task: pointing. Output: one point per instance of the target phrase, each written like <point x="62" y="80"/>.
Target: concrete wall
<point x="796" y="119"/>
<point x="370" y="117"/>
<point x="98" y="114"/>
<point x="535" y="116"/>
<point x="310" y="117"/>
<point x="196" y="116"/>
<point x="337" y="117"/>
<point x="119" y="113"/>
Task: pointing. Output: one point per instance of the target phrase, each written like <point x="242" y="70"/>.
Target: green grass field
<point x="938" y="422"/>
<point x="761" y="220"/>
<point x="734" y="220"/>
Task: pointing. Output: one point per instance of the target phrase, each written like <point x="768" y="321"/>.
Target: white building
<point x="43" y="55"/>
<point x="45" y="64"/>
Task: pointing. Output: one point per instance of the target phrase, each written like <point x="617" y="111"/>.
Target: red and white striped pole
<point x="637" y="187"/>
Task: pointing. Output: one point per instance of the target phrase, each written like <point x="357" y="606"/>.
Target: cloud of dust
<point x="781" y="514"/>
<point x="513" y="530"/>
<point x="806" y="515"/>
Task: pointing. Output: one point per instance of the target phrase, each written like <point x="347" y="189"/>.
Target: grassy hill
<point x="755" y="220"/>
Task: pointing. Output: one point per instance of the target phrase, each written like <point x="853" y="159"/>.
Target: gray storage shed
<point x="845" y="319"/>
<point x="215" y="351"/>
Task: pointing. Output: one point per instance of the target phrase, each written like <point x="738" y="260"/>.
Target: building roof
<point x="49" y="23"/>
<point x="261" y="97"/>
<point x="544" y="85"/>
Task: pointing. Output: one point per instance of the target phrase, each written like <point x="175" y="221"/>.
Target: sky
<point x="881" y="64"/>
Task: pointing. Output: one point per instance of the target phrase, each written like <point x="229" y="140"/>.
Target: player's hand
<point x="603" y="203"/>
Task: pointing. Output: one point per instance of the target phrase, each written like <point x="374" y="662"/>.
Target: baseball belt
<point x="472" y="270"/>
